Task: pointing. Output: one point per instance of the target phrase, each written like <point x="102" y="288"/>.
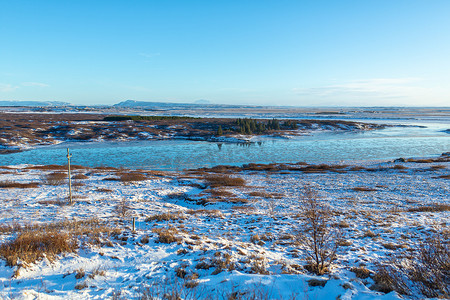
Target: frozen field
<point x="221" y="233"/>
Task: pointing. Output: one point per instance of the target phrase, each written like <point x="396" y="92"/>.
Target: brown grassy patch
<point x="8" y="184"/>
<point x="167" y="235"/>
<point x="166" y="217"/>
<point x="436" y="207"/>
<point x="437" y="167"/>
<point x="223" y="180"/>
<point x="420" y="161"/>
<point x="128" y="177"/>
<point x="89" y="231"/>
<point x="132" y="176"/>
<point x="55" y="167"/>
<point x="361" y="272"/>
<point x="208" y="212"/>
<point x="391" y="246"/>
<point x="53" y="202"/>
<point x="370" y="234"/>
<point x="363" y="189"/>
<point x="28" y="247"/>
<point x="80" y="176"/>
<point x="261" y="194"/>
<point x="55" y="178"/>
<point x="104" y="190"/>
<point x="218" y="193"/>
<point x="399" y="167"/>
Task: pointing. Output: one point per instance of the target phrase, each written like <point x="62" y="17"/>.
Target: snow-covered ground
<point x="202" y="240"/>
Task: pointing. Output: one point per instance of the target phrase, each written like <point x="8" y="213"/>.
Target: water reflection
<point x="183" y="154"/>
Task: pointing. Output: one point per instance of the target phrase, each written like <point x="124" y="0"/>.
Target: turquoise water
<point x="388" y="143"/>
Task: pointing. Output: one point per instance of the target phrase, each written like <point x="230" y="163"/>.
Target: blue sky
<point x="302" y="53"/>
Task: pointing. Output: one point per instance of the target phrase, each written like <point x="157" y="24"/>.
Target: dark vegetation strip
<point x="145" y="118"/>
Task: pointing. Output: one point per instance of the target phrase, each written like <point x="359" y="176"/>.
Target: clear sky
<point x="303" y="53"/>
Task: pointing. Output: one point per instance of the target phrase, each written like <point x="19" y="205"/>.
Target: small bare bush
<point x="426" y="272"/>
<point x="432" y="266"/>
<point x="122" y="209"/>
<point x="317" y="234"/>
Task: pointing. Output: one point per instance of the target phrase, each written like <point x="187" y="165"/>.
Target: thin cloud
<point x="369" y="88"/>
<point x="149" y="56"/>
<point x="38" y="84"/>
<point x="6" y="87"/>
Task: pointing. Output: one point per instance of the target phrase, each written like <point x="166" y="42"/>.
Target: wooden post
<point x="134" y="224"/>
<point x="70" y="177"/>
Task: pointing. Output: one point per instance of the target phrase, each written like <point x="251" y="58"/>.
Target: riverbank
<point x="22" y="131"/>
<point x="215" y="232"/>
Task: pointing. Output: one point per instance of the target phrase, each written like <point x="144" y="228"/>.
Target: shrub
<point x="122" y="209"/>
<point x="432" y="266"/>
<point x="317" y="235"/>
<point x="427" y="271"/>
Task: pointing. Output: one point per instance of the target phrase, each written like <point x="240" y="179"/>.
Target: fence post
<point x="70" y="177"/>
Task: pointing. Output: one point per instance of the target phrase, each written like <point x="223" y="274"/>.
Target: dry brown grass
<point x="28" y="247"/>
<point x="425" y="272"/>
<point x="132" y="176"/>
<point x="215" y="181"/>
<point x="218" y="192"/>
<point x="361" y="272"/>
<point x="89" y="231"/>
<point x="363" y="189"/>
<point x="391" y="246"/>
<point x="9" y="184"/>
<point x="55" y="167"/>
<point x="58" y="202"/>
<point x="104" y="190"/>
<point x="79" y="176"/>
<point x="261" y="194"/>
<point x="208" y="212"/>
<point x="435" y="207"/>
<point x="55" y="178"/>
<point x="167" y="235"/>
<point x="166" y="217"/>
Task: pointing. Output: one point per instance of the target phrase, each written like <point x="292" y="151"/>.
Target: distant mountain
<point x="33" y="103"/>
<point x="199" y="104"/>
<point x="202" y="101"/>
<point x="147" y="104"/>
<point x="134" y="103"/>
